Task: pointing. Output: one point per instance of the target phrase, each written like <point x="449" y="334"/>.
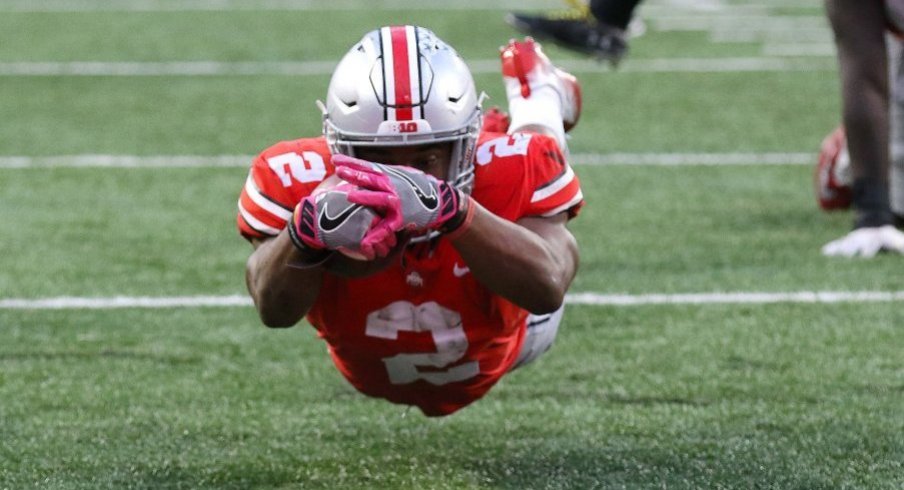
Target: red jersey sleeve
<point x="280" y="177"/>
<point x="525" y="174"/>
<point x="552" y="184"/>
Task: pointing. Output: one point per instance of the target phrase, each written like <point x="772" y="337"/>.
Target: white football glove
<point x="866" y="242"/>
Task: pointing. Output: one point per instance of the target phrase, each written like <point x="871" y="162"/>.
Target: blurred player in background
<point x="860" y="35"/>
<point x="599" y="29"/>
<point x="461" y="255"/>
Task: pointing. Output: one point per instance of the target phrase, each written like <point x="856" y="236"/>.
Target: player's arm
<point x="283" y="294"/>
<point x="284" y="273"/>
<point x="531" y="262"/>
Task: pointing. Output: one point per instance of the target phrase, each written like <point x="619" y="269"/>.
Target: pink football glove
<point x="416" y="201"/>
<point x="329" y="220"/>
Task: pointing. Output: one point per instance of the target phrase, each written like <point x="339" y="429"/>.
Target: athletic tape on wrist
<point x="465" y="223"/>
<point x="309" y="257"/>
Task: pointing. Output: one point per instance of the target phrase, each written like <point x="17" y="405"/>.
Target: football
<point x="350" y="262"/>
<point x="343" y="265"/>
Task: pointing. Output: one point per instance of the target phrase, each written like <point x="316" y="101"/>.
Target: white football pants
<point x="541" y="333"/>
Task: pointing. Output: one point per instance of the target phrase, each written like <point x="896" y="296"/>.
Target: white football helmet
<point x="402" y="86"/>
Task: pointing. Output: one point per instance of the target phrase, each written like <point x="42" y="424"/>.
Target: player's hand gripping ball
<point x="326" y="220"/>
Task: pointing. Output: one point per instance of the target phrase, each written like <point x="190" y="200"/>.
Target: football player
<point x="862" y="56"/>
<point x="440" y="261"/>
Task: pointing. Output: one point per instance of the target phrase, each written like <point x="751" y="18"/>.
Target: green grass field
<point x="782" y="395"/>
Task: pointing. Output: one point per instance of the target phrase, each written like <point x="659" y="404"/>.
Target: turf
<point x="670" y="396"/>
<point x="277" y="35"/>
<point x="682" y="397"/>
<point x="644" y="229"/>
<point x="638" y="112"/>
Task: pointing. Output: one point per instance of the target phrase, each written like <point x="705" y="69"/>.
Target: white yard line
<point x="734" y="298"/>
<point x="799" y="49"/>
<point x="756" y="21"/>
<point x="676" y="159"/>
<point x="647" y="8"/>
<point x="165" y="68"/>
<point x="68" y="6"/>
<point x="244" y="161"/>
<point x="125" y="161"/>
<point x="324" y="68"/>
<point x="593" y="299"/>
<point x="745" y="35"/>
<point x="81" y="303"/>
<point x="64" y="6"/>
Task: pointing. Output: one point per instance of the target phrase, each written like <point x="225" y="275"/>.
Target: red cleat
<point x="526" y="68"/>
<point x="495" y="121"/>
<point x="832" y="178"/>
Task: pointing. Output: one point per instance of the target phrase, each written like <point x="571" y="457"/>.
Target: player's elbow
<point x="557" y="277"/>
<point x="273" y="310"/>
<point x="278" y="310"/>
<point x="545" y="308"/>
<point x="270" y="321"/>
<point x="549" y="299"/>
<point x="277" y="317"/>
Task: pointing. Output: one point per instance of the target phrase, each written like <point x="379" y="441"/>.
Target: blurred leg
<point x="603" y="37"/>
<point x="616" y="13"/>
<point x="896" y="87"/>
<point x="542" y="98"/>
<point x="860" y="38"/>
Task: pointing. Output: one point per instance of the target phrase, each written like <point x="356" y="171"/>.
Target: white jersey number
<point x="504" y="146"/>
<point x="307" y="167"/>
<point x="448" y="336"/>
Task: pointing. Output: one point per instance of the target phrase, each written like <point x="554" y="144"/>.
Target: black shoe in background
<point x="582" y="34"/>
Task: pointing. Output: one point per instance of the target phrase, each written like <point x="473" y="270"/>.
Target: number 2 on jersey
<point x="448" y="336"/>
<point x="307" y="167"/>
<point x="504" y="146"/>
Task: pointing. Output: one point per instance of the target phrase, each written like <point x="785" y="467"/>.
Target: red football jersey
<point x="422" y="332"/>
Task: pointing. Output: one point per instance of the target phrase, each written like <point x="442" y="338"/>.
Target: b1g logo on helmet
<point x="404" y="127"/>
<point x="407" y="127"/>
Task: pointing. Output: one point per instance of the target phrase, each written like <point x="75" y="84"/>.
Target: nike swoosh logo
<point x="330" y="223"/>
<point x="460" y="271"/>
<point x="430" y="202"/>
